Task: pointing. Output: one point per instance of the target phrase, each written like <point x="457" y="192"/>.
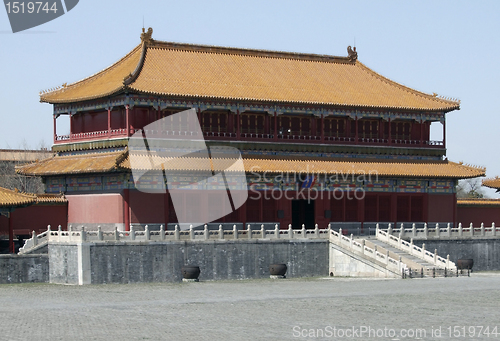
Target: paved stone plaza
<point x="253" y="310"/>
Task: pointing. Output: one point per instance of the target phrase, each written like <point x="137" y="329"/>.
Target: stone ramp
<point x="417" y="255"/>
<point x="400" y="253"/>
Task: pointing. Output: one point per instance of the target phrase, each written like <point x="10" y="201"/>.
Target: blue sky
<point x="447" y="47"/>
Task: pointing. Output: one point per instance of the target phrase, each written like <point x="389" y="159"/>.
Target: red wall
<point x="35" y="217"/>
<point x="441" y="208"/>
<point x="146" y="208"/>
<point x="95" y="208"/>
<point x="477" y="215"/>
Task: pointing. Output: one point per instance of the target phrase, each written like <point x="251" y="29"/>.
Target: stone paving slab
<point x="246" y="310"/>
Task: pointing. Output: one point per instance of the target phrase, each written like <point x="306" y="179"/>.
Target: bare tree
<point x="12" y="180"/>
<point x="470" y="189"/>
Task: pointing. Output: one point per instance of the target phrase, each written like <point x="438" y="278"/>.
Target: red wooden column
<point x="11" y="233"/>
<point x="127" y="119"/>
<point x="55" y="128"/>
<point x="275" y="126"/>
<point x="238" y="122"/>
<point x="166" y="208"/>
<point x="421" y="132"/>
<point x="322" y="128"/>
<point x="109" y="121"/>
<point x="394" y="208"/>
<point x="361" y="211"/>
<point x="356" y="138"/>
<point x="444" y="133"/>
<point x="348" y="128"/>
<point x="70" y="126"/>
<point x="389" y="133"/>
<point x="126" y="209"/>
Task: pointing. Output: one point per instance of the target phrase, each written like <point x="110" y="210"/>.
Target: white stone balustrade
<point x="438" y="232"/>
<point x="414" y="250"/>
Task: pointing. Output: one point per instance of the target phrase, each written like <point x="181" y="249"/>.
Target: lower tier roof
<point x="121" y="161"/>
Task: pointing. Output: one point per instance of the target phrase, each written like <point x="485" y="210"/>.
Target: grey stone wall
<point x="24" y="268"/>
<point x="118" y="262"/>
<point x="484" y="252"/>
<point x="63" y="260"/>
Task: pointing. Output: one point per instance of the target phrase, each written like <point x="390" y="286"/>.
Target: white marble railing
<point x="438" y="232"/>
<point x="414" y="250"/>
<point x="60" y="236"/>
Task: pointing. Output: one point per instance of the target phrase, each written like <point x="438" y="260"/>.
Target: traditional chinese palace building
<point x="345" y="129"/>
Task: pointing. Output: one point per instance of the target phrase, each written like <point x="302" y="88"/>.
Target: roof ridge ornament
<point x="146" y="36"/>
<point x="352" y="54"/>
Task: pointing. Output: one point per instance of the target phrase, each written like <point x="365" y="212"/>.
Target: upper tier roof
<point x="171" y="69"/>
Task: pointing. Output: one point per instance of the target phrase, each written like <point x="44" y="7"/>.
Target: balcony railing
<point x="254" y="136"/>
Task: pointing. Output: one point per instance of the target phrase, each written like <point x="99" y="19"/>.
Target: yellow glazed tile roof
<point x="442" y="169"/>
<point x="108" y="162"/>
<point x="51" y="198"/>
<point x="197" y="71"/>
<point x="9" y="198"/>
<point x="492" y="183"/>
<point x="101" y="84"/>
<point x="478" y="202"/>
<point x="74" y="164"/>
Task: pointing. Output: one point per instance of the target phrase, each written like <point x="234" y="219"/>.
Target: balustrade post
<point x="276" y="231"/>
<point x="290" y="231"/>
<point x="99" y="232"/>
<point x="435" y="256"/>
<point x="206" y="234"/>
<point x="263" y="231"/>
<point x="235" y="232"/>
<point x="340" y="235"/>
<point x="426" y="230"/>
<point x="423" y="250"/>
<point x="414" y="230"/>
<point x="389" y="230"/>
<point x="162" y="232"/>
<point x="34" y="238"/>
<point x="146" y="232"/>
<point x="493" y="229"/>
<point x="471" y="230"/>
<point x="363" y="246"/>
<point x="438" y="230"/>
<point x="249" y="232"/>
<point x="460" y="230"/>
<point x="303" y="231"/>
<point x="191" y="232"/>
<point x="177" y="235"/>
<point x="351" y="241"/>
<point x="448" y="261"/>
<point x="84" y="234"/>
<point x="117" y="236"/>
<point x="448" y="230"/>
<point x="411" y="246"/>
<point x="221" y="232"/>
<point x="482" y="229"/>
<point x="316" y="230"/>
<point x="376" y="229"/>
<point x="132" y="233"/>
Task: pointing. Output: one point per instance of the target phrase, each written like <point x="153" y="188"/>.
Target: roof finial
<point x="146" y="36"/>
<point x="352" y="54"/>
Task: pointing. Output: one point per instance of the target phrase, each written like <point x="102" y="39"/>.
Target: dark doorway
<point x="303" y="213"/>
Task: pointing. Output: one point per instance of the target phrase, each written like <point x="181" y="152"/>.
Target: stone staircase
<point x="400" y="253"/>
